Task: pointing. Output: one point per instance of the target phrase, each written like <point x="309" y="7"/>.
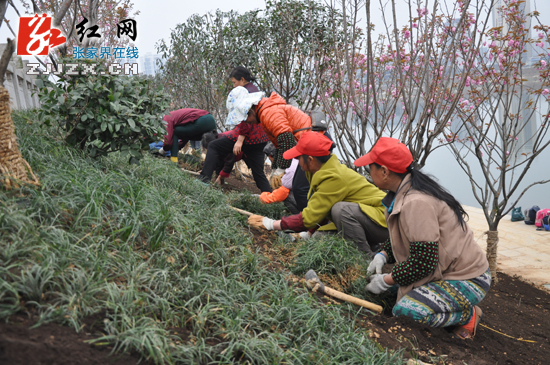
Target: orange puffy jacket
<point x="277" y="117"/>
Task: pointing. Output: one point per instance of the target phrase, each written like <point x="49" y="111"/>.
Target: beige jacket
<point x="418" y="217"/>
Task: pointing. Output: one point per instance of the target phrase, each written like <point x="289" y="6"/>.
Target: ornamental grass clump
<point x="328" y="254"/>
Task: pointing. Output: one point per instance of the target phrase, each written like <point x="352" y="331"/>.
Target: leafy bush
<point x="103" y="113"/>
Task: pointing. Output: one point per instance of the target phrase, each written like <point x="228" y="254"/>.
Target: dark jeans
<point x="253" y="157"/>
<point x="290" y="203"/>
<point x="300" y="188"/>
<point x="191" y="131"/>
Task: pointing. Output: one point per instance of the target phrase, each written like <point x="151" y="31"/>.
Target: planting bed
<point x="515" y="328"/>
<point x="148" y="262"/>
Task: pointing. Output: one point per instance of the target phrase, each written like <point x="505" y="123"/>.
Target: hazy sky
<point x="158" y="17"/>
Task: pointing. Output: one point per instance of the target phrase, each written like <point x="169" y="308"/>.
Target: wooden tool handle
<point x="191" y="172"/>
<point x="348" y="298"/>
<point x="241" y="211"/>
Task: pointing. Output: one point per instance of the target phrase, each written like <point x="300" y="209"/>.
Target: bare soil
<point x="51" y="343"/>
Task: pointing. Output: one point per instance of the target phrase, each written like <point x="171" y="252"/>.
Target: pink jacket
<point x="541" y="214"/>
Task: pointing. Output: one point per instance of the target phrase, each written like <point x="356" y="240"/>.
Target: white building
<point x="149" y="64"/>
<point x="20" y="85"/>
<point x="498" y="21"/>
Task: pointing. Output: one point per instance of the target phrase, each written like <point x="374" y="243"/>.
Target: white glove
<point x="162" y="152"/>
<point x="304" y="235"/>
<point x="268" y="223"/>
<point x="377" y="264"/>
<point x="377" y="284"/>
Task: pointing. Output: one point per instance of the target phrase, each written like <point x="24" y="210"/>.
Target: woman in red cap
<point x="441" y="272"/>
<point x="337" y="193"/>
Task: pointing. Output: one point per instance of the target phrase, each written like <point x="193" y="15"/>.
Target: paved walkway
<point x="522" y="250"/>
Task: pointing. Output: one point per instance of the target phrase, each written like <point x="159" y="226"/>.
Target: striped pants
<point x="444" y="303"/>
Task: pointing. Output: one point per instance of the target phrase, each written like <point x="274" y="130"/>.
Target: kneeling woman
<point x="441" y="272"/>
<point x="185" y="125"/>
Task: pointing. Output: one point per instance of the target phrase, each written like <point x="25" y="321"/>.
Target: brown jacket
<point x="418" y="217"/>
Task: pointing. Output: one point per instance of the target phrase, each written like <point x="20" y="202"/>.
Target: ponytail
<point x="428" y="185"/>
<point x="240" y="72"/>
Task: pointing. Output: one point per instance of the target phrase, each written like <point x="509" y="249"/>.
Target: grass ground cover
<point x="166" y="262"/>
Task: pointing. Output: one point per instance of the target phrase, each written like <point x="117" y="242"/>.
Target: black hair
<point x="428" y="185"/>
<point x="321" y="159"/>
<point x="208" y="137"/>
<point x="240" y="72"/>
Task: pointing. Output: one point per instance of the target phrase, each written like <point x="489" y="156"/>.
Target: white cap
<point x="239" y="102"/>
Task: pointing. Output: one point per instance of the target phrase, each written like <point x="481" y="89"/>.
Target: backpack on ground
<point x="531" y="215"/>
<point x="517" y="215"/>
<point x="540" y="215"/>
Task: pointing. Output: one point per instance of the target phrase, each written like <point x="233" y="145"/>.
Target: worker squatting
<point x="439" y="274"/>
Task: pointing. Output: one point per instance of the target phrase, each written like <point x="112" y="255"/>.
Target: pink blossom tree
<point x="405" y="81"/>
<point x="503" y="117"/>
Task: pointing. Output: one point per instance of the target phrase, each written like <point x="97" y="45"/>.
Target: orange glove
<point x="277" y="196"/>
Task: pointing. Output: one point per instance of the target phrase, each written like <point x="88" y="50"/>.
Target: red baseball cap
<point x="311" y="144"/>
<point x="389" y="152"/>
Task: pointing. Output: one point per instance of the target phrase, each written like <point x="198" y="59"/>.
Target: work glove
<point x="275" y="178"/>
<point x="377" y="264"/>
<point x="277" y="196"/>
<point x="162" y="152"/>
<point x="377" y="284"/>
<point x="174" y="159"/>
<point x="304" y="235"/>
<point x="257" y="221"/>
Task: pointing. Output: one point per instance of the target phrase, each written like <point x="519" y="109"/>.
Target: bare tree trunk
<point x="3" y="8"/>
<point x="5" y="59"/>
<point x="492" y="245"/>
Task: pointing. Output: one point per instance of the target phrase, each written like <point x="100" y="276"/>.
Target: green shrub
<point x="104" y="113"/>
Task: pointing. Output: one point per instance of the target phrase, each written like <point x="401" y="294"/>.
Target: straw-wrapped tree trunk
<point x="14" y="170"/>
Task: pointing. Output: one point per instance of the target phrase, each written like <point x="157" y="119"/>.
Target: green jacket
<point x="335" y="183"/>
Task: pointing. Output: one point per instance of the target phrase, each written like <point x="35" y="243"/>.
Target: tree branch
<point x="5" y="59"/>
